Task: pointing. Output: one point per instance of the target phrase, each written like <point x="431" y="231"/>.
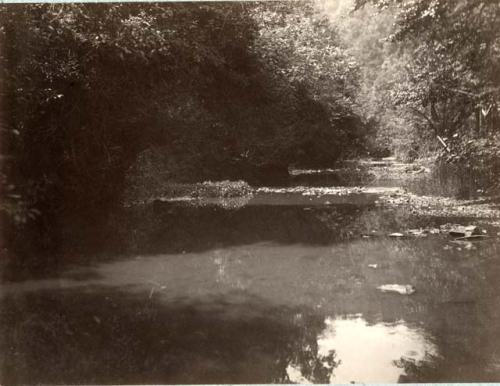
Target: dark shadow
<point x="176" y="228"/>
<point x="101" y="336"/>
<point x="173" y="228"/>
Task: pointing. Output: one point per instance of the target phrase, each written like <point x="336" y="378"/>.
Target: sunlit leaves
<point x="304" y="47"/>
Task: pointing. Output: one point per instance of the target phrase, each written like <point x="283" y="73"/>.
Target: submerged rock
<point x="405" y="289"/>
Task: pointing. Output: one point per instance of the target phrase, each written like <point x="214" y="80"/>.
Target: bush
<point x="480" y="157"/>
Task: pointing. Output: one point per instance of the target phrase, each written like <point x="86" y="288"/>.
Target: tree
<point x="89" y="87"/>
<point x="303" y="50"/>
<point x="454" y="66"/>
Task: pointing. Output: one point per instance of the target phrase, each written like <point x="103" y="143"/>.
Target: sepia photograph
<point x="250" y="192"/>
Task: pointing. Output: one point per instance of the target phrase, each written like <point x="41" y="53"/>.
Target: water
<point x="276" y="288"/>
<point x="385" y="346"/>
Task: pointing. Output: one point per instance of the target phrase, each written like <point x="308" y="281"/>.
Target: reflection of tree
<point x="303" y="354"/>
<point x="125" y="337"/>
<point x="224" y="202"/>
<point x="422" y="370"/>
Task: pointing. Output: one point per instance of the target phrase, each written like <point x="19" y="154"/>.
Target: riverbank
<point x="480" y="157"/>
<point x="422" y="187"/>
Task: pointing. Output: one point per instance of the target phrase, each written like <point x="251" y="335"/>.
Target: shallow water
<point x="279" y="287"/>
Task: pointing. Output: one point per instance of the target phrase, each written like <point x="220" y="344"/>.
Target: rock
<point x="406" y="289"/>
<point x="473" y="238"/>
<point x="422" y="170"/>
<point x="374" y="266"/>
<point x="417" y="232"/>
<point x="469" y="246"/>
<point x="463" y="231"/>
<point x="396" y="234"/>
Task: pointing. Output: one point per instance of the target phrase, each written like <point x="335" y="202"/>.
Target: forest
<point x="94" y="95"/>
<point x="250" y="192"/>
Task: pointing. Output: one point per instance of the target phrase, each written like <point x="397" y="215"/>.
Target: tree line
<point x="429" y="68"/>
<point x="231" y="91"/>
<point x="221" y="90"/>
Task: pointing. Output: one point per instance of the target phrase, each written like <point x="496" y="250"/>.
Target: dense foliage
<point x="216" y="91"/>
<point x="100" y="97"/>
<point x="430" y="67"/>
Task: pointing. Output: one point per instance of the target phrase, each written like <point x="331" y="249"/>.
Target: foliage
<point x="439" y="64"/>
<point x="90" y="87"/>
<point x="303" y="46"/>
<point x="480" y="157"/>
<point x="304" y="50"/>
<point x="224" y="189"/>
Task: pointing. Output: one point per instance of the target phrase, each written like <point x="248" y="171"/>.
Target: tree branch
<point x="421" y="114"/>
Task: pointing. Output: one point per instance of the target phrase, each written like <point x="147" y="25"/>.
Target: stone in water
<point x="406" y="289"/>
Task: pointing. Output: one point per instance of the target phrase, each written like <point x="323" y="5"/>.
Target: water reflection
<point x="352" y="350"/>
<point x="252" y="291"/>
<point x="443" y="180"/>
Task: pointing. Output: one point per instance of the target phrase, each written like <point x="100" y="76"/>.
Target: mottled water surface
<point x="279" y="287"/>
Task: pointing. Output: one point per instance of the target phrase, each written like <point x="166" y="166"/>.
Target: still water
<point x="277" y="288"/>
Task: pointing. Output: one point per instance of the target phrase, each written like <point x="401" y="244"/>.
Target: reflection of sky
<point x="368" y="353"/>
